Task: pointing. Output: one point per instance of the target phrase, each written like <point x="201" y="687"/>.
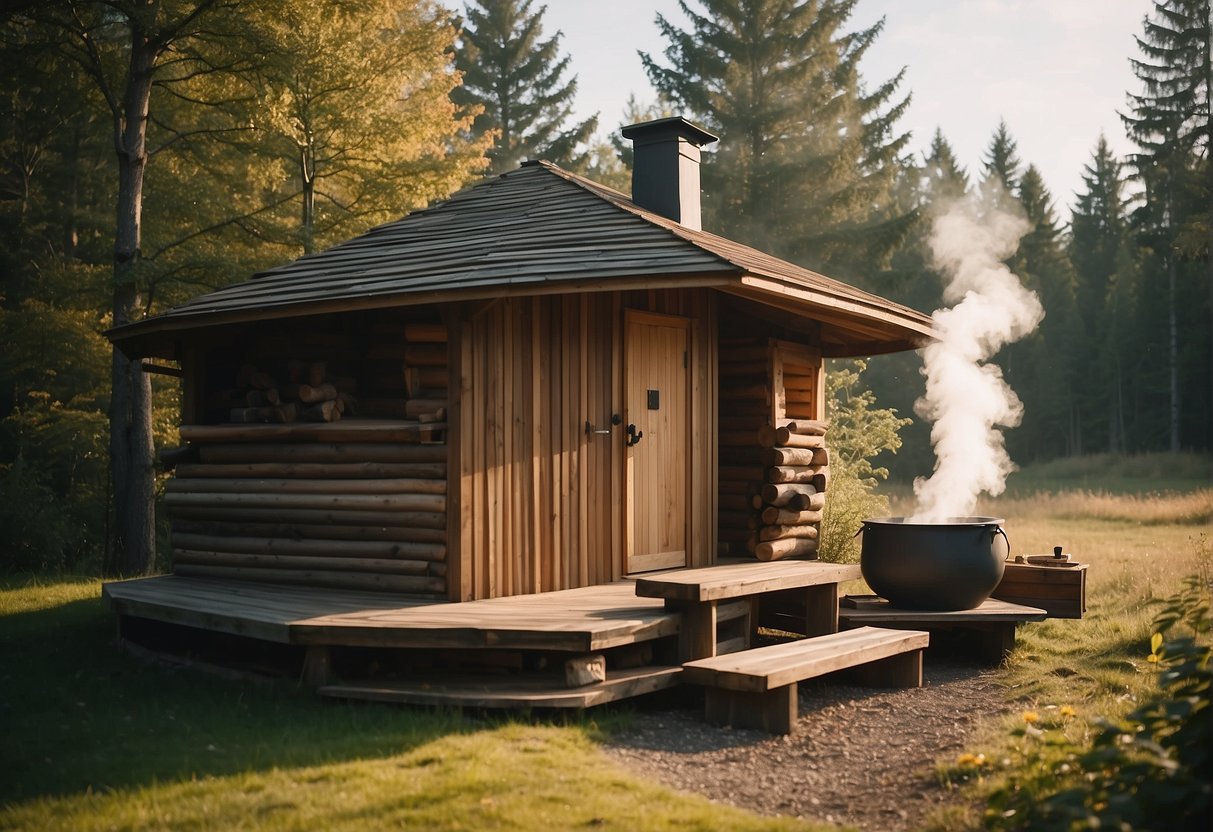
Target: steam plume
<point x="966" y="399"/>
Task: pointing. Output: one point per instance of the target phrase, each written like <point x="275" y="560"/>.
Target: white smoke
<point x="966" y="399"/>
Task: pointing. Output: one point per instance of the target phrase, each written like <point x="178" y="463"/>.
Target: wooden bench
<point x="757" y="688"/>
<point x="712" y="595"/>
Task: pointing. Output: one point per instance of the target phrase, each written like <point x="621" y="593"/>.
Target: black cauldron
<point x="953" y="564"/>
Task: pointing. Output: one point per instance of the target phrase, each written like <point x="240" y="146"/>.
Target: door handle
<point x="634" y="436"/>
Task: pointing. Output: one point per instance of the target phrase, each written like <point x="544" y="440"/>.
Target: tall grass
<point x="1116" y="474"/>
<point x="1142" y="509"/>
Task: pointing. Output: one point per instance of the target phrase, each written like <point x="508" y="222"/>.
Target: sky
<point x="1056" y="70"/>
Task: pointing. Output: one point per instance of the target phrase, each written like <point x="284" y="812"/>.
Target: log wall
<point x="540" y="499"/>
<point x="365" y="512"/>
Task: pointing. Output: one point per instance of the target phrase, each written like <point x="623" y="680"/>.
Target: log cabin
<point x="538" y="385"/>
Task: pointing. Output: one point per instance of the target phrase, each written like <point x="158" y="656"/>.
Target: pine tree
<point x="1102" y="251"/>
<point x="1002" y="162"/>
<point x="1053" y="422"/>
<point x="517" y="77"/>
<point x="1170" y="123"/>
<point x="808" y="154"/>
<point x="942" y="175"/>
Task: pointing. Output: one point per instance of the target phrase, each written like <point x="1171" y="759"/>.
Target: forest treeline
<point x="155" y="149"/>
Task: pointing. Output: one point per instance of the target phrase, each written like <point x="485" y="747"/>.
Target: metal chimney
<point x="665" y="167"/>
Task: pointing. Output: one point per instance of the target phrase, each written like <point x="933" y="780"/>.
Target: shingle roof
<point x="535" y="230"/>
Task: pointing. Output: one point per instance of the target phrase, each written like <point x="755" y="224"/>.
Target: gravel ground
<point x="861" y="756"/>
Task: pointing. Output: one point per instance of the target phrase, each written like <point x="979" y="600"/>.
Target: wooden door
<point x="658" y="432"/>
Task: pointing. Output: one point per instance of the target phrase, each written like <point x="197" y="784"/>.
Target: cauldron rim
<point x="949" y="522"/>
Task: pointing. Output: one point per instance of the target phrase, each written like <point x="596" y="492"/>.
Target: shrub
<point x="39" y="534"/>
<point x="859" y="433"/>
<point x="1149" y="770"/>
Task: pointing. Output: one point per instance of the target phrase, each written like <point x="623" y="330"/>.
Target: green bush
<point x="39" y="533"/>
<point x="859" y="433"/>
<point x="850" y="501"/>
<point x="1149" y="770"/>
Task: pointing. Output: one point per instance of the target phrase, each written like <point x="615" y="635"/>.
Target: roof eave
<point x="158" y="335"/>
<point x="862" y="328"/>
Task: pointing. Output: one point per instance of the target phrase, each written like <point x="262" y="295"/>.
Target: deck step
<point x="757" y="688"/>
<point x="537" y="692"/>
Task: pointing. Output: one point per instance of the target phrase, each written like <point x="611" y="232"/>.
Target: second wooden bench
<point x="757" y="688"/>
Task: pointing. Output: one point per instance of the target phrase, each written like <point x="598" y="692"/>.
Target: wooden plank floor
<point x="590" y="618"/>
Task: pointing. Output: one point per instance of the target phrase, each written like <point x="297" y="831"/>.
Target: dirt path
<point x="862" y="757"/>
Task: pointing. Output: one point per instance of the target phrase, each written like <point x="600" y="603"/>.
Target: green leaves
<point x="859" y="432"/>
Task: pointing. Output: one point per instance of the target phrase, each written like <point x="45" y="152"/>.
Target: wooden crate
<point x="1059" y="590"/>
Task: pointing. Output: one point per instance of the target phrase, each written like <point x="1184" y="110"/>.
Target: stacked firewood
<point x="425" y="372"/>
<point x="788" y="505"/>
<point x="410" y="375"/>
<point x="745" y="401"/>
<point x="309" y="393"/>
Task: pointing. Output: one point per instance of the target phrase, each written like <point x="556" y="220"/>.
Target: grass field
<point x="94" y="739"/>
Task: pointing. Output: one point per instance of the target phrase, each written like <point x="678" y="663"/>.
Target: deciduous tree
<point x="352" y="107"/>
<point x="128" y="48"/>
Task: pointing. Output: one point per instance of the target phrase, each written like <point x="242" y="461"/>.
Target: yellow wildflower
<point x="1030" y="717"/>
<point x="1066" y="711"/>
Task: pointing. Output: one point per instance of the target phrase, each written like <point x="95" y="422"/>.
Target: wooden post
<point x="903" y="670"/>
<point x="317" y="666"/>
<point x="697" y="634"/>
<point x="997" y="641"/>
<point x="773" y="711"/>
<point x="821" y="609"/>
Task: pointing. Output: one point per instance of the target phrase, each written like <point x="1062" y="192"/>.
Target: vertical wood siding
<point x="540" y="503"/>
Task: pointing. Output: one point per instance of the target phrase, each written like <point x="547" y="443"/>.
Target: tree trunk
<point x="71" y="201"/>
<point x="132" y="545"/>
<point x="1173" y="353"/>
<point x="1116" y="426"/>
<point x="307" y="173"/>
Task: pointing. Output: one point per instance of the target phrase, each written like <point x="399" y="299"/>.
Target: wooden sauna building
<point x="537" y="385"/>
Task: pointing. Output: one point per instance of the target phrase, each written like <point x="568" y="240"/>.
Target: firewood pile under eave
<point x="307" y="394"/>
<point x="314" y="391"/>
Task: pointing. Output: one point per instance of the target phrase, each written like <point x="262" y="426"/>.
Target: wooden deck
<point x="510" y="652"/>
<point x="591" y="618"/>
